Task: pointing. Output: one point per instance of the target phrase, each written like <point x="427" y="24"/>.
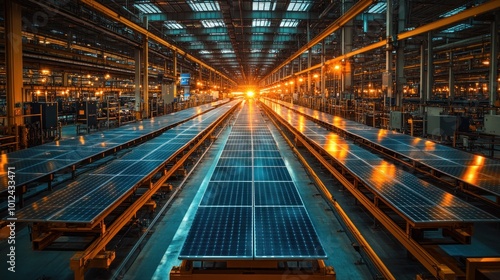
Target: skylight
<point x="453" y="12"/>
<point x="203" y="6"/>
<point x="299" y="5"/>
<point x="458" y="27"/>
<point x="205" y="52"/>
<point x="172" y="24"/>
<point x="263" y="5"/>
<point x="212" y="23"/>
<point x="227" y="51"/>
<point x="146" y="7"/>
<point x="261" y="22"/>
<point x="289" y="22"/>
<point x="378" y="8"/>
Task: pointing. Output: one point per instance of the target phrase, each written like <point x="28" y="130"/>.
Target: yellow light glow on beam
<point x="250" y="94"/>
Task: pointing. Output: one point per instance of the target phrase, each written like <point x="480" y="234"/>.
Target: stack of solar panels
<point x="475" y="170"/>
<point x="87" y="198"/>
<point x="417" y="200"/>
<point x="251" y="208"/>
<point x="34" y="163"/>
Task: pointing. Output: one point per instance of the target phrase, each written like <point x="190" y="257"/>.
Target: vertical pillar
<point x="175" y="75"/>
<point x="14" y="62"/>
<point x="347" y="42"/>
<point x="145" y="77"/>
<point x="451" y="78"/>
<point x="137" y="81"/>
<point x="388" y="48"/>
<point x="422" y="87"/>
<point x="322" y="79"/>
<point x="493" y="85"/>
<point x="309" y="58"/>
<point x="400" y="53"/>
<point x="430" y="67"/>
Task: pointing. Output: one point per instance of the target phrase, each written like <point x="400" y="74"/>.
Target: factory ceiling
<point x="242" y="40"/>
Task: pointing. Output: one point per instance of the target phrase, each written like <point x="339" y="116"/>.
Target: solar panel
<point x="252" y="176"/>
<point x="414" y="198"/>
<point x="55" y="156"/>
<point x="285" y="233"/>
<point x="219" y="233"/>
<point x="86" y="198"/>
<point x="276" y="193"/>
<point x="228" y="193"/>
<point x="276" y="173"/>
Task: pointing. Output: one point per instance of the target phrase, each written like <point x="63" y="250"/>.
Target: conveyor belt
<point x="475" y="170"/>
<point x="416" y="200"/>
<point x="251" y="208"/>
<point x="35" y="163"/>
<point x="85" y="199"/>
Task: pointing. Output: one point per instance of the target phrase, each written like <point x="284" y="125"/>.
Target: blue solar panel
<point x="276" y="193"/>
<point x="252" y="174"/>
<point x="219" y="233"/>
<point x="228" y="193"/>
<point x="277" y="228"/>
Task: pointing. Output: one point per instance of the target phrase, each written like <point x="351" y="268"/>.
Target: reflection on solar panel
<point x="34" y="163"/>
<point x="251" y="208"/>
<point x="87" y="198"/>
<point x="475" y="170"/>
<point x="417" y="200"/>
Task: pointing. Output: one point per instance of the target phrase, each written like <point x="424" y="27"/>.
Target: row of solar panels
<point x="34" y="163"/>
<point x="91" y="194"/>
<point x="251" y="208"/>
<point x="417" y="200"/>
<point x="475" y="170"/>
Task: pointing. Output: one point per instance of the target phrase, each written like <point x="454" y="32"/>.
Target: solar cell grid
<point x="256" y="178"/>
<point x="275" y="173"/>
<point x="401" y="189"/>
<point x="228" y="193"/>
<point x="235" y="161"/>
<point x="219" y="233"/>
<point x="277" y="228"/>
<point x="276" y="193"/>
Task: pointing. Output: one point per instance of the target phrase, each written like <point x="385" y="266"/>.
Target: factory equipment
<point x="398" y="120"/>
<point x="492" y="124"/>
<point x="86" y="115"/>
<point x="443" y="126"/>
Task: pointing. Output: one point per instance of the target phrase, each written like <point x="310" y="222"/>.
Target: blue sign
<point x="185" y="77"/>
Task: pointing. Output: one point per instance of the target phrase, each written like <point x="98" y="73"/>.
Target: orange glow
<point x="470" y="175"/>
<point x="416" y="140"/>
<point x="82" y="140"/>
<point x="381" y="134"/>
<point x="333" y="148"/>
<point x="447" y="200"/>
<point x="381" y="173"/>
<point x="479" y="160"/>
<point x="430" y="146"/>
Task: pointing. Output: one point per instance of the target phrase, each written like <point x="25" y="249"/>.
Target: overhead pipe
<point x="337" y="24"/>
<point x="139" y="29"/>
<point x="481" y="9"/>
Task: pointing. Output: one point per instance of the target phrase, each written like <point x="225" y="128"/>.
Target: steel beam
<point x="141" y="30"/>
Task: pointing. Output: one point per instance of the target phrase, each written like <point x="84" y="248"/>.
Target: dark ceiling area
<point x="241" y="41"/>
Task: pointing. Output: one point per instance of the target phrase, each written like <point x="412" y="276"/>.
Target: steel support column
<point x="137" y="82"/>
<point x="322" y="88"/>
<point x="451" y="78"/>
<point x="430" y="67"/>
<point x="14" y="62"/>
<point x="493" y="86"/>
<point x="400" y="59"/>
